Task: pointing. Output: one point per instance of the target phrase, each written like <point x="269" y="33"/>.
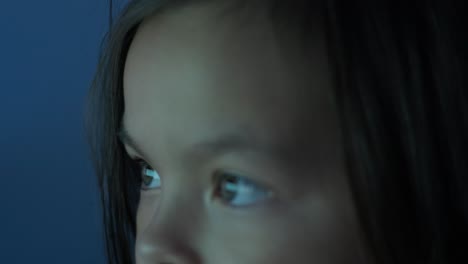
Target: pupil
<point x="147" y="179"/>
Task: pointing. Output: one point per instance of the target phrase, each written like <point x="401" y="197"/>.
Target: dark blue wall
<point x="48" y="195"/>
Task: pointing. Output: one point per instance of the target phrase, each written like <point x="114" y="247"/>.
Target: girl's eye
<point x="238" y="191"/>
<point x="149" y="177"/>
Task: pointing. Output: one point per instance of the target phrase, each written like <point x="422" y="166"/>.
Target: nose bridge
<point x="169" y="236"/>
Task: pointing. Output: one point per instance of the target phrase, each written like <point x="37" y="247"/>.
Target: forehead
<point x="189" y="71"/>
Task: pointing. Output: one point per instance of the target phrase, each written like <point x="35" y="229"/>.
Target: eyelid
<point x="260" y="184"/>
<point x="248" y="176"/>
<point x="142" y="163"/>
<point x="269" y="193"/>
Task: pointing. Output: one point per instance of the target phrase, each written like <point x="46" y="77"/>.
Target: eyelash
<point x="219" y="177"/>
<point x="141" y="163"/>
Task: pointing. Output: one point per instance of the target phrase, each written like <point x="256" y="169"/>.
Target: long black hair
<point x="401" y="90"/>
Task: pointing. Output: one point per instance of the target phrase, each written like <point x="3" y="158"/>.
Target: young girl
<point x="262" y="131"/>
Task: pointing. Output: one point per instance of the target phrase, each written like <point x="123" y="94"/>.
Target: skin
<point x="189" y="78"/>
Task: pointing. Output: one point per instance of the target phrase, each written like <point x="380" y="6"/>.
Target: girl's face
<point x="238" y="124"/>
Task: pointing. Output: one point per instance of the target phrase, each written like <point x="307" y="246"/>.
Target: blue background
<point x="50" y="212"/>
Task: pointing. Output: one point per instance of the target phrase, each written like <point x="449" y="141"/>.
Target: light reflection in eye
<point x="233" y="190"/>
<point x="237" y="191"/>
<point x="149" y="177"/>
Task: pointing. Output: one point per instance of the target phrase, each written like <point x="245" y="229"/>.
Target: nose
<point x="169" y="236"/>
<point x="162" y="252"/>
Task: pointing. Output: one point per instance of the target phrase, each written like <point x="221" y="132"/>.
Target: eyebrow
<point x="237" y="140"/>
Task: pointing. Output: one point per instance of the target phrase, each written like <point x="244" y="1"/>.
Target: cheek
<point x="317" y="233"/>
<point x="146" y="210"/>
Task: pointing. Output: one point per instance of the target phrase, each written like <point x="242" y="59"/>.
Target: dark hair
<point x="401" y="91"/>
